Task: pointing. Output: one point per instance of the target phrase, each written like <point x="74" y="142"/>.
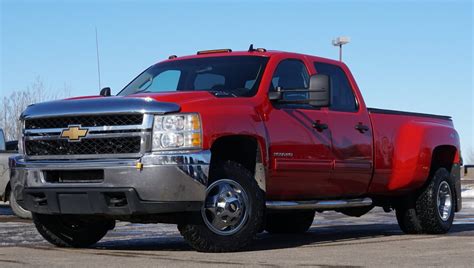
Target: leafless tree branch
<point x="13" y="105"/>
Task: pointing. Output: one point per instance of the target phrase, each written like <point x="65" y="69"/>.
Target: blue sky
<point x="407" y="55"/>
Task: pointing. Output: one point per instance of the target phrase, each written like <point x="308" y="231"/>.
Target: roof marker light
<point x="202" y="52"/>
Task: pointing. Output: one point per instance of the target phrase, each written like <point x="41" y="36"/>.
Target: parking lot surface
<point x="334" y="240"/>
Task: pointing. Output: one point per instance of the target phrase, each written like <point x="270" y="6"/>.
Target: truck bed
<point x="403" y="145"/>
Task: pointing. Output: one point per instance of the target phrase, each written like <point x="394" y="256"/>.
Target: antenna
<point x="98" y="61"/>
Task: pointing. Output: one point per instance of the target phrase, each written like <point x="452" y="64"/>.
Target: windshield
<point x="237" y="76"/>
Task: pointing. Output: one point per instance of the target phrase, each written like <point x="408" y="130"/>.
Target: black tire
<point x="421" y="215"/>
<point x="427" y="207"/>
<point x="408" y="220"/>
<point x="71" y="230"/>
<point x="289" y="222"/>
<point x="17" y="209"/>
<point x="203" y="239"/>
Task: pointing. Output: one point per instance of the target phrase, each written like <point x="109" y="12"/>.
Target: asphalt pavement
<point x="334" y="240"/>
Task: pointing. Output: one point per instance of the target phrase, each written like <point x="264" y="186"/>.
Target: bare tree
<point x="470" y="158"/>
<point x="13" y="105"/>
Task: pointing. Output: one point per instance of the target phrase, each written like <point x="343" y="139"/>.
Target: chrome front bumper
<point x="155" y="183"/>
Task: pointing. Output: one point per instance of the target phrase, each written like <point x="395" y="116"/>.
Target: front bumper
<point x="153" y="184"/>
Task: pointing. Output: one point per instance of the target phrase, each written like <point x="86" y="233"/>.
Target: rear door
<point x="351" y="135"/>
<point x="301" y="155"/>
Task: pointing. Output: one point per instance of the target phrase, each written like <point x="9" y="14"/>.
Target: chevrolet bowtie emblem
<point x="74" y="133"/>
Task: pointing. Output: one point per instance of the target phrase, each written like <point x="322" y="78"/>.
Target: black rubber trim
<point x="383" y="111"/>
<point x="96" y="201"/>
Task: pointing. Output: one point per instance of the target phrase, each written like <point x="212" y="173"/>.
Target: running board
<point x="319" y="204"/>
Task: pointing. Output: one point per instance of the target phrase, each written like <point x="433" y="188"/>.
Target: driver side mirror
<point x="106" y="92"/>
<point x="318" y="92"/>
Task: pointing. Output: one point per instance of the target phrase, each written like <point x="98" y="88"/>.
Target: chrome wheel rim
<point x="444" y="201"/>
<point x="226" y="207"/>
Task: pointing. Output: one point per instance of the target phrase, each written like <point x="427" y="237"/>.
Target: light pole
<point x="339" y="42"/>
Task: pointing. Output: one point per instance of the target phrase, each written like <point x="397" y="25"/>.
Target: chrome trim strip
<point x="82" y="156"/>
<point x="91" y="136"/>
<point x="178" y="158"/>
<point x="319" y="204"/>
<point x="148" y="121"/>
<point x="64" y="165"/>
<point x="101" y="128"/>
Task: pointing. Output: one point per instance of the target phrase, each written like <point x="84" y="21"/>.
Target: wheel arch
<point x="448" y="156"/>
<point x="246" y="150"/>
<point x="443" y="156"/>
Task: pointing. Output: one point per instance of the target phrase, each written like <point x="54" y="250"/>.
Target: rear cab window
<point x="342" y="95"/>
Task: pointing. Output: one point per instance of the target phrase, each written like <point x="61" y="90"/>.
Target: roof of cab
<point x="267" y="53"/>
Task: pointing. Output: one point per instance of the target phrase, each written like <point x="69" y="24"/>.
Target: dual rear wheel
<point x="432" y="210"/>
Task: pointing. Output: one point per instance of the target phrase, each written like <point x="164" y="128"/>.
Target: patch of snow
<point x="467" y="193"/>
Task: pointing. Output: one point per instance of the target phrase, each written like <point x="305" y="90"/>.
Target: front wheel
<point x="232" y="213"/>
<point x="71" y="230"/>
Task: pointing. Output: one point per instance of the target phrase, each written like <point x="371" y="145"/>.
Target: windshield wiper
<point x="222" y="93"/>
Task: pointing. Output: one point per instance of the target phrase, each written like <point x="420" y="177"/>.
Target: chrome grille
<point x="84" y="121"/>
<point x="122" y="135"/>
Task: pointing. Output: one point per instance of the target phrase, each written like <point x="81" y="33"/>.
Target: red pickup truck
<point x="229" y="144"/>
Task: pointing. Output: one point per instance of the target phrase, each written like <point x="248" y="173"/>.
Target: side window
<point x="291" y="74"/>
<point x="209" y="81"/>
<point x="165" y="81"/>
<point x="342" y="96"/>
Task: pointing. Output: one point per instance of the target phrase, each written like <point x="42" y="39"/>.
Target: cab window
<point x="342" y="95"/>
<point x="289" y="75"/>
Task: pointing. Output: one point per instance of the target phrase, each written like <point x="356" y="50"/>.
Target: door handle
<point x="362" y="128"/>
<point x="319" y="126"/>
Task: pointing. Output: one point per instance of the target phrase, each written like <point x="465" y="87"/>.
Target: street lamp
<point x="339" y="42"/>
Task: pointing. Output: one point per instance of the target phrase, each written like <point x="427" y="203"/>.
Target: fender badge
<point x="280" y="154"/>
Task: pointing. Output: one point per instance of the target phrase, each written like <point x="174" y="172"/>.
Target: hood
<point x="99" y="105"/>
<point x="179" y="97"/>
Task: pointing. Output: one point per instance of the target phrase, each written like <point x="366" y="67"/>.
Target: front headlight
<point x="177" y="132"/>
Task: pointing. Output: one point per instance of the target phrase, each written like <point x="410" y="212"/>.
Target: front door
<point x="300" y="142"/>
<point x="351" y="135"/>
